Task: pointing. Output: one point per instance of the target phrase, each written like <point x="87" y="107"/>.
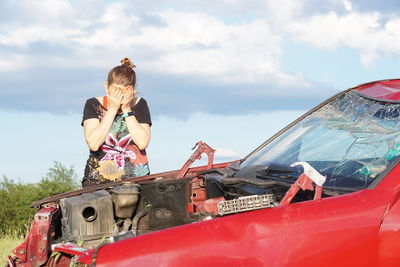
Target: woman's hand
<point x="115" y="98"/>
<point x="129" y="97"/>
<point x="96" y="131"/>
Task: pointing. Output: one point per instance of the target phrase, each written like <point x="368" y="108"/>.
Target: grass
<point x="7" y="244"/>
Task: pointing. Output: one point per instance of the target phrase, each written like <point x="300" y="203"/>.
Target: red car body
<point x="359" y="227"/>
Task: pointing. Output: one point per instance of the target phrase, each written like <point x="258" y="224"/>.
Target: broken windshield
<point x="351" y="141"/>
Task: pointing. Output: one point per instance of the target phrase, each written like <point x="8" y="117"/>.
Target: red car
<point x="324" y="191"/>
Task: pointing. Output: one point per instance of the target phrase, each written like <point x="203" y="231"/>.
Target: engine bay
<point x="132" y="209"/>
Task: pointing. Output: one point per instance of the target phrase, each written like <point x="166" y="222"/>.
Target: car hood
<point x="283" y="231"/>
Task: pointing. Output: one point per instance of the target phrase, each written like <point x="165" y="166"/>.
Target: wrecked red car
<point x="324" y="191"/>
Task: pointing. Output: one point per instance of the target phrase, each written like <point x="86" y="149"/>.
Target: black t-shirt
<point x="94" y="109"/>
<point x="118" y="157"/>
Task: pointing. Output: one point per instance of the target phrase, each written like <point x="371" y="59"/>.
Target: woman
<point x="117" y="130"/>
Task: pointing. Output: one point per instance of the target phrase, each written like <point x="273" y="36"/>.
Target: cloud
<point x="370" y="33"/>
<point x="186" y="43"/>
<point x="363" y="32"/>
<point x="11" y="63"/>
<point x="59" y="57"/>
<point x="200" y="44"/>
<point x="226" y="153"/>
<point x="223" y="57"/>
<point x="348" y="5"/>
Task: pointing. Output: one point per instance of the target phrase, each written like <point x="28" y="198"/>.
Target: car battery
<point x="88" y="216"/>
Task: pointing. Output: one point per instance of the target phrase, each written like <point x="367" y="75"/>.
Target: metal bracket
<point x="201" y="148"/>
<point x="304" y="182"/>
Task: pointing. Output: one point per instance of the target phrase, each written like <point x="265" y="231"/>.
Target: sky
<point x="227" y="72"/>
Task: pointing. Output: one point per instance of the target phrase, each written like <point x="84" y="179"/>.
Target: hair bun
<point x="127" y="62"/>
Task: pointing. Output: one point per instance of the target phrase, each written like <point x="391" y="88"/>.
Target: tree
<point x="58" y="179"/>
<point x="16" y="197"/>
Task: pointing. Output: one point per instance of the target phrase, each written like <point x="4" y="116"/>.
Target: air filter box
<point x="88" y="216"/>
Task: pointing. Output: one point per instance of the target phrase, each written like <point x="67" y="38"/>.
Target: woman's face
<point x="124" y="89"/>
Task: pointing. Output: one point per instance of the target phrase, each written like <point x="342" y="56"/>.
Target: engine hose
<point x="137" y="217"/>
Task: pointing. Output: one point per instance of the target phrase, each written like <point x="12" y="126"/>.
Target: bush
<point x="59" y="179"/>
<point x="16" y="197"/>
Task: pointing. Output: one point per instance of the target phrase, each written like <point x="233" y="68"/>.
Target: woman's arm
<point x="96" y="131"/>
<point x="140" y="132"/>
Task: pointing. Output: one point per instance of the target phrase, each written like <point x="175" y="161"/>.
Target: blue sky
<point x="227" y="72"/>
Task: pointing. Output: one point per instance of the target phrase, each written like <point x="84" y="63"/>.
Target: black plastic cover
<point x="169" y="200"/>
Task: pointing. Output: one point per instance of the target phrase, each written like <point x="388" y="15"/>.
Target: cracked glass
<point x="351" y="140"/>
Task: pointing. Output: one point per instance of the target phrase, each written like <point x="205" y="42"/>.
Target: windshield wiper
<point x="278" y="171"/>
<point x="255" y="181"/>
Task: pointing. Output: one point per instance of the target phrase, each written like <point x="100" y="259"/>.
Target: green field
<point x="7" y="244"/>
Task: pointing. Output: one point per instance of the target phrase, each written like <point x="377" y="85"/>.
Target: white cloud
<point x="370" y="33"/>
<point x="347" y="5"/>
<point x="239" y="55"/>
<point x="226" y="153"/>
<point x="330" y="30"/>
<point x="185" y="43"/>
<point x="199" y="43"/>
<point x="23" y="36"/>
<point x="284" y="9"/>
<point x="12" y="63"/>
<point x="114" y="30"/>
<point x="204" y="45"/>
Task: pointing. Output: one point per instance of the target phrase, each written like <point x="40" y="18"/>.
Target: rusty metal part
<point x="201" y="148"/>
<point x="198" y="194"/>
<point x="209" y="206"/>
<point x="35" y="249"/>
